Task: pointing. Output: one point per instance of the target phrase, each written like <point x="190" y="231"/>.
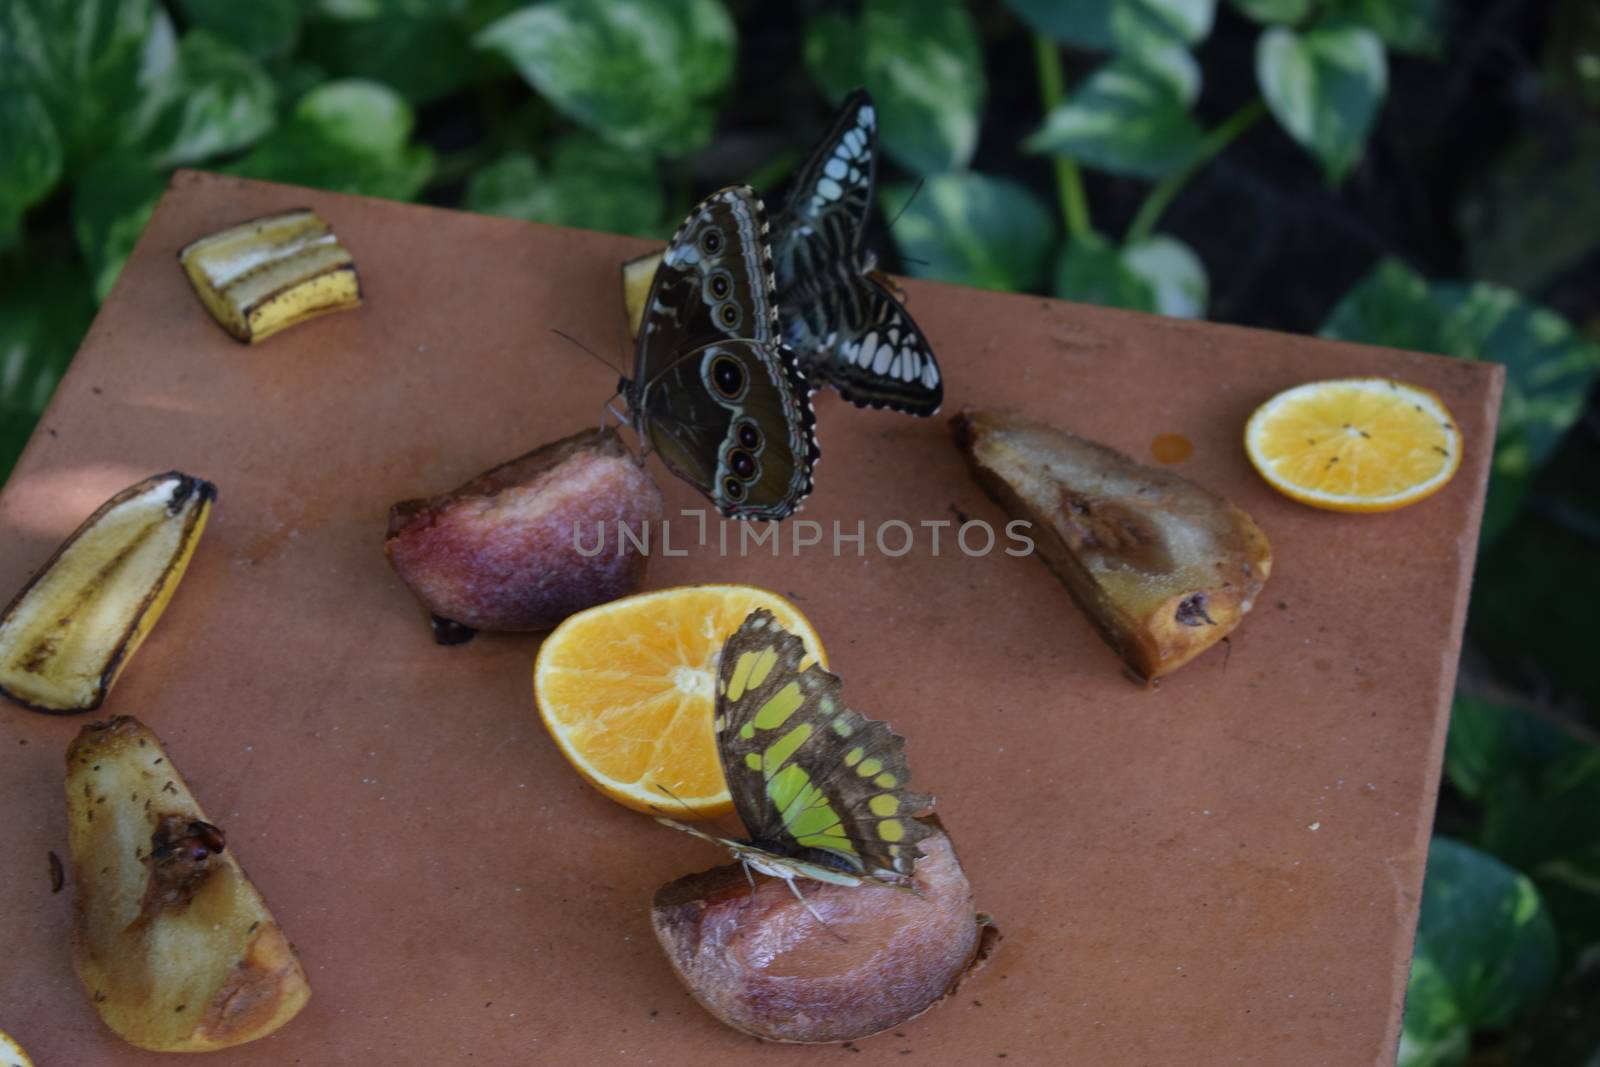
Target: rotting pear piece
<point x="757" y="958"/>
<point x="524" y="545"/>
<point x="12" y="1054"/>
<point x="67" y="636"/>
<point x="637" y="274"/>
<point x="270" y="273"/>
<point x="1162" y="567"/>
<point x="173" y="944"/>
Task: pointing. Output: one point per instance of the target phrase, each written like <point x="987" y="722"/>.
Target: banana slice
<point x="270" y="273"/>
<point x="637" y="274"/>
<point x="173" y="943"/>
<point x="68" y="634"/>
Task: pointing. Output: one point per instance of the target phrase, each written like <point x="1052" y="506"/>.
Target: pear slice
<point x="70" y="632"/>
<point x="1163" y="568"/>
<point x="758" y="956"/>
<point x="637" y="275"/>
<point x="11" y="1053"/>
<point x="270" y="273"/>
<point x="172" y="943"/>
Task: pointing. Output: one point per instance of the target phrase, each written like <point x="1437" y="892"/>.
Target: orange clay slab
<point x="1225" y="868"/>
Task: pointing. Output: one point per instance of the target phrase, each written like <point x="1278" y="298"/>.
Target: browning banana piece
<point x="173" y="944"/>
<point x="271" y="273"/>
<point x="70" y="632"/>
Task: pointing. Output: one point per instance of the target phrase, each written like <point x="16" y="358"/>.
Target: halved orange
<point x="1354" y="444"/>
<point x="628" y="691"/>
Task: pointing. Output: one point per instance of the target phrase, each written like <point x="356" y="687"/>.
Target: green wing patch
<point x="811" y="778"/>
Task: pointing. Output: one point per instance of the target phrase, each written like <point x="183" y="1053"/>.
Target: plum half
<point x="524" y="545"/>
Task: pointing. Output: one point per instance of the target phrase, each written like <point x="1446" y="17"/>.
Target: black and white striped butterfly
<point x="714" y="390"/>
<point x="845" y="326"/>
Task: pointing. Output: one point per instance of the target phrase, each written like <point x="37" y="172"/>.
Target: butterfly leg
<point x="806" y="904"/>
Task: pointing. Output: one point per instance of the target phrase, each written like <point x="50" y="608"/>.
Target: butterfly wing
<point x="844" y="326"/>
<point x="823" y="219"/>
<point x="733" y="418"/>
<point x="812" y="779"/>
<point x="714" y="390"/>
<point x="715" y="282"/>
<point x="877" y="356"/>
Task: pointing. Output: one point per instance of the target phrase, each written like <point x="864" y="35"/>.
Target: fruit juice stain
<point x="1171" y="448"/>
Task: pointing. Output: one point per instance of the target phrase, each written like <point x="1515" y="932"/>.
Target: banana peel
<point x="270" y="273"/>
<point x="70" y="632"/>
<point x="637" y="275"/>
<point x="173" y="944"/>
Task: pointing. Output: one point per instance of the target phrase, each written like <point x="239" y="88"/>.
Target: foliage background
<point x="1420" y="173"/>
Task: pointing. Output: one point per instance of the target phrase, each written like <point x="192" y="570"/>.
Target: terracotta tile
<point x="1223" y="870"/>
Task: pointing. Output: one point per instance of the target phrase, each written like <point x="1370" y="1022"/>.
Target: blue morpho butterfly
<point x="820" y="788"/>
<point x="714" y="391"/>
<point x="845" y="326"/>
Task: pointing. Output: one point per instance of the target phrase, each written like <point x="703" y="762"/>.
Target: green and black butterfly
<point x="820" y="788"/>
<point x="845" y="326"/>
<point x="714" y="391"/>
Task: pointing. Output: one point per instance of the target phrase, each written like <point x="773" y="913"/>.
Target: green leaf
<point x="1325" y="87"/>
<point x="1101" y="25"/>
<point x="350" y="136"/>
<point x="973" y="229"/>
<point x="1432" y="1032"/>
<point x="111" y="204"/>
<point x="1274" y="11"/>
<point x="1532" y="215"/>
<point x="1491" y="745"/>
<point x="1486" y="932"/>
<point x="1549" y="365"/>
<point x="922" y="61"/>
<point x="102" y="68"/>
<point x="1542" y="819"/>
<point x="1122" y="119"/>
<point x="1160" y="274"/>
<point x="1174" y="273"/>
<point x="835" y="53"/>
<point x="225" y="102"/>
<point x="423" y="57"/>
<point x="588" y="184"/>
<point x="45" y="307"/>
<point x="643" y="74"/>
<point x="1415" y="26"/>
<point x="1391" y="306"/>
<point x="1091" y="270"/>
<point x="263" y="28"/>
<point x="30" y="163"/>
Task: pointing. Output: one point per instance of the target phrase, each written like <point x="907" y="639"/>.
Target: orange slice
<point x="628" y="691"/>
<point x="1354" y="444"/>
<point x="11" y="1053"/>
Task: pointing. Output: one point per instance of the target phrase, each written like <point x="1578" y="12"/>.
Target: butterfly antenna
<point x="567" y="336"/>
<point x="680" y="801"/>
<point x="909" y="201"/>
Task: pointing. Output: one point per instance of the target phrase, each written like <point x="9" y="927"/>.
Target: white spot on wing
<point x="880" y="362"/>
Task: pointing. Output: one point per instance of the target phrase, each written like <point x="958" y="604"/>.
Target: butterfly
<point x="820" y="788"/>
<point x="844" y="323"/>
<point x="714" y="390"/>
